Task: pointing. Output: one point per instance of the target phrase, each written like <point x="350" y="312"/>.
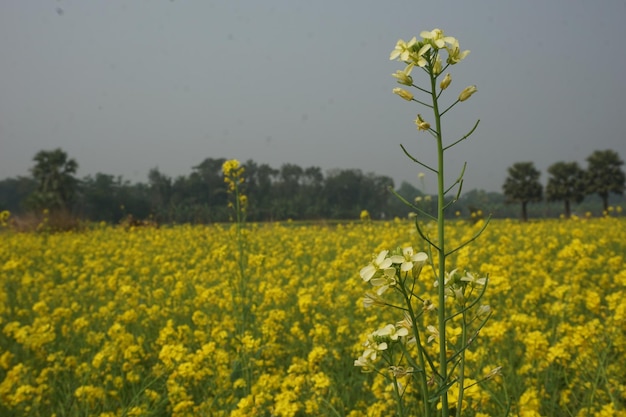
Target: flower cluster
<point x="426" y="54"/>
<point x="4" y="217"/>
<point x="234" y="178"/>
<point x="377" y="342"/>
<point x="459" y="285"/>
<point x="414" y="52"/>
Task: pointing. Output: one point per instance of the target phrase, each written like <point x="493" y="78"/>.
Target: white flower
<point x="473" y="280"/>
<point x="437" y="38"/>
<point x="381" y="262"/>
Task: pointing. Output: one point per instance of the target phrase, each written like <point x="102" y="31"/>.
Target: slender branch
<point x="416" y="161"/>
<point x="423" y="236"/>
<point x="452" y="105"/>
<point x="422" y="89"/>
<point x="464" y="137"/>
<point x="459" y="178"/>
<point x="482" y="229"/>
<point x="408" y="203"/>
<point x="422" y="103"/>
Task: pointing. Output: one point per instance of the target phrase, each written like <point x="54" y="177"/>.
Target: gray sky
<point x="124" y="86"/>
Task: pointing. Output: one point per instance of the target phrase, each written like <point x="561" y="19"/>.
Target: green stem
<point x="462" y="365"/>
<point x="241" y="287"/>
<point x="420" y="350"/>
<point x="443" y="371"/>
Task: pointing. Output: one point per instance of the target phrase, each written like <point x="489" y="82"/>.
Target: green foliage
<point x="54" y="173"/>
<point x="522" y="185"/>
<point x="566" y="183"/>
<point x="275" y="194"/>
<point x="604" y="175"/>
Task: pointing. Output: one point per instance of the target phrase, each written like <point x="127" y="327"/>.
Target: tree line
<point x="567" y="182"/>
<point x="291" y="192"/>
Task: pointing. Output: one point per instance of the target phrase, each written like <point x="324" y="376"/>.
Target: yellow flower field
<point x="141" y="322"/>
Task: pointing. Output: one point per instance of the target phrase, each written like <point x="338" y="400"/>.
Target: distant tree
<point x="523" y="186"/>
<point x="566" y="183"/>
<point x="56" y="184"/>
<point x="477" y="200"/>
<point x="312" y="190"/>
<point x="604" y="175"/>
<point x="287" y="202"/>
<point x="14" y="192"/>
<point x="342" y="193"/>
<point x="261" y="181"/>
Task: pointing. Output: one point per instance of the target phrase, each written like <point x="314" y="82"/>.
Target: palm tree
<point x="566" y="183"/>
<point x="54" y="173"/>
<point x="522" y="185"/>
<point x="604" y="175"/>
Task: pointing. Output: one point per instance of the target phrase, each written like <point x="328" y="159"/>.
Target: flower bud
<point x="421" y="124"/>
<point x="403" y="93"/>
<point x="467" y="92"/>
<point x="403" y="77"/>
<point x="446" y="81"/>
<point x="437" y="67"/>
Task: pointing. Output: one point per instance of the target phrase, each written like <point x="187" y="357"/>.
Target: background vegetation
<point x="294" y="192"/>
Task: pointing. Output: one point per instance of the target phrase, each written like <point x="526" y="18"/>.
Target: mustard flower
<point x="380" y="263"/>
<point x="392" y="332"/>
<point x="417" y="58"/>
<point x="454" y="53"/>
<point x="483" y="309"/>
<point x="370" y="300"/>
<point x="433" y="333"/>
<point x="446" y="81"/>
<point x="467" y="92"/>
<point x="365" y="363"/>
<point x="470" y="278"/>
<point x="408" y="259"/>
<point x="386" y="280"/>
<point x="373" y="348"/>
<point x="437" y="67"/>
<point x="403" y="76"/>
<point x="406" y="322"/>
<point x="402" y="49"/>
<point x="437" y="39"/>
<point x="408" y="96"/>
<point x="421" y="124"/>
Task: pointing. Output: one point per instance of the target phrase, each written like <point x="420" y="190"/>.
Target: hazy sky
<point x="125" y="86"/>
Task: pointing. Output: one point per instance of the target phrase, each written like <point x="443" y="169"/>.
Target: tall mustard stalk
<point x="240" y="293"/>
<point x="437" y="364"/>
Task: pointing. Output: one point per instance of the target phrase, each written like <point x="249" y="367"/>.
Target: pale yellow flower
<point x="446" y="81"/>
<point x="370" y="300"/>
<point x="467" y="92"/>
<point x="421" y="124"/>
<point x="437" y="67"/>
<point x="402" y="49"/>
<point x="381" y="262"/>
<point x="454" y="53"/>
<point x="433" y="333"/>
<point x="417" y="58"/>
<point x="437" y="39"/>
<point x="470" y="278"/>
<point x="386" y="280"/>
<point x="403" y="76"/>
<point x="403" y="93"/>
<point x="408" y="258"/>
<point x="392" y="332"/>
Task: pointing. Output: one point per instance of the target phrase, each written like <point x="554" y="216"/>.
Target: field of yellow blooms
<point x="141" y="322"/>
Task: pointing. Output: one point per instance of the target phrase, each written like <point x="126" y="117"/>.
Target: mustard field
<point x="142" y="322"/>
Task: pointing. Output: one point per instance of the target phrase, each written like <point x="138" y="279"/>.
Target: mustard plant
<point x="240" y="292"/>
<point x="424" y="354"/>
